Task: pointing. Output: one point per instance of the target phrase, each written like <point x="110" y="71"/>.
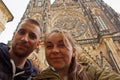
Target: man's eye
<point x="21" y="32"/>
<point x="49" y="46"/>
<point x="32" y="36"/>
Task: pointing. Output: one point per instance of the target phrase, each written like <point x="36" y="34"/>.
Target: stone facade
<point x="5" y="16"/>
<point x="94" y="25"/>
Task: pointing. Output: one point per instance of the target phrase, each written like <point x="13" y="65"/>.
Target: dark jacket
<point x="8" y="70"/>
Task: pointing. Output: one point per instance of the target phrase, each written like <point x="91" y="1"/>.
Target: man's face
<point x="25" y="39"/>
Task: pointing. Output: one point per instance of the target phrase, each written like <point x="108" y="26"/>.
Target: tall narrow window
<point x="39" y="2"/>
<point x="102" y="24"/>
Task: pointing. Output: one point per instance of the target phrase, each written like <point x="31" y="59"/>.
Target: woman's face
<point x="59" y="51"/>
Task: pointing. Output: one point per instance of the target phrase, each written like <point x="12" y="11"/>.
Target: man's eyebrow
<point x="48" y="42"/>
<point x="60" y="41"/>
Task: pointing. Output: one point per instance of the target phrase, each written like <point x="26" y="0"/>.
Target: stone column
<point x="116" y="58"/>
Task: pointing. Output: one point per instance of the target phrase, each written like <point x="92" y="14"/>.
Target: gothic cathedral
<point x="93" y="23"/>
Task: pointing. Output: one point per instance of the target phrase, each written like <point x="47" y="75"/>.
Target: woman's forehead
<point x="54" y="36"/>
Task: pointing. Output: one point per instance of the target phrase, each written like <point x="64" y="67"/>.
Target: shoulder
<point x="2" y="45"/>
<point x="4" y="50"/>
<point x="96" y="73"/>
<point x="48" y="71"/>
<point x="47" y="74"/>
<point x="29" y="67"/>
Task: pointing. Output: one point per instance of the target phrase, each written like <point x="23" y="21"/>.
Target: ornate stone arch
<point x="71" y="20"/>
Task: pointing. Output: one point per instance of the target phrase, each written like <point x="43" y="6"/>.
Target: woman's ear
<point x="74" y="52"/>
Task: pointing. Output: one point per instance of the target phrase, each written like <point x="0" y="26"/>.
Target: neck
<point x="63" y="73"/>
<point x="19" y="61"/>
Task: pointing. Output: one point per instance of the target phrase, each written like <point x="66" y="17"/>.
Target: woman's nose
<point x="55" y="49"/>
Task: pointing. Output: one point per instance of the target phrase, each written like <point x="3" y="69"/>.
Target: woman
<point x="60" y="51"/>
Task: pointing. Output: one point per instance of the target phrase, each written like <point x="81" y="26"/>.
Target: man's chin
<point x="20" y="53"/>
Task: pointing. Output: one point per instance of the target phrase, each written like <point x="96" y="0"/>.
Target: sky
<point x="18" y="8"/>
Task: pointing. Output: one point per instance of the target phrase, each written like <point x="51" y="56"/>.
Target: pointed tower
<point x="38" y="9"/>
<point x="92" y="23"/>
<point x="46" y="10"/>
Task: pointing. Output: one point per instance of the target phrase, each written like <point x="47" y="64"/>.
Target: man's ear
<point x="13" y="35"/>
<point x="38" y="44"/>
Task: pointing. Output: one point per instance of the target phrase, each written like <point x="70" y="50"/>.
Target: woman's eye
<point x="49" y="46"/>
<point x="61" y="45"/>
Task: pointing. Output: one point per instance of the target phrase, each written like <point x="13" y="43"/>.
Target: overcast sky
<point x="18" y="7"/>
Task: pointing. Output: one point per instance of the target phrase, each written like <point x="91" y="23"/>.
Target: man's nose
<point x="25" y="37"/>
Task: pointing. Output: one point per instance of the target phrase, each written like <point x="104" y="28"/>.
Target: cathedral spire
<point x="33" y="7"/>
<point x="65" y="1"/>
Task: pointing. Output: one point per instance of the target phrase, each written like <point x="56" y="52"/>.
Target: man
<point x="14" y="64"/>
